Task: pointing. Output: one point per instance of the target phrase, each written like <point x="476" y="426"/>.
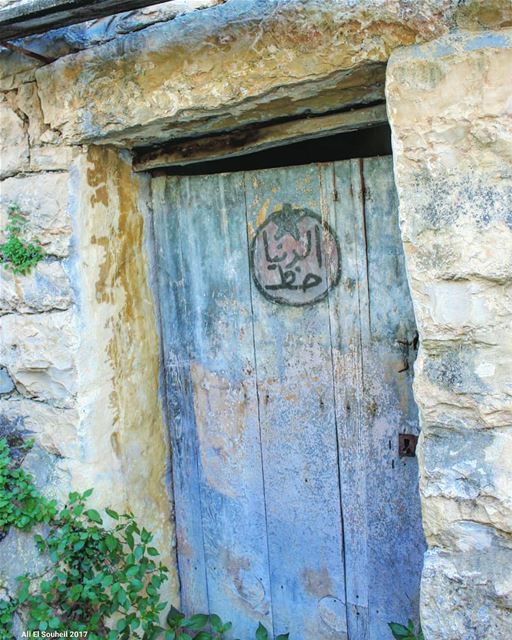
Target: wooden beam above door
<point x="257" y="138"/>
<point x="28" y="18"/>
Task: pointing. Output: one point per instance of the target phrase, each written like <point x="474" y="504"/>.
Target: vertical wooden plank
<point x="175" y="337"/>
<point x="395" y="542"/>
<point x="332" y="385"/>
<point x="222" y="369"/>
<point x="349" y="323"/>
<point x="294" y="372"/>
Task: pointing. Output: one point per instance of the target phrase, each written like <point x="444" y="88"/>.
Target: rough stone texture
<point x="13" y="141"/>
<point x="123" y="440"/>
<point x="28" y="103"/>
<point x="19" y="551"/>
<point x="450" y="108"/>
<point x="51" y="158"/>
<point x="6" y="383"/>
<point x="43" y="197"/>
<point x="16" y="68"/>
<point x="53" y="429"/>
<point x="46" y="288"/>
<point x="79" y="353"/>
<point x="82" y="328"/>
<point x="251" y="58"/>
<point x="39" y="353"/>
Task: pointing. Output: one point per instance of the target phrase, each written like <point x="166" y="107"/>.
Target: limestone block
<point x="51" y="158"/>
<point x="112" y="26"/>
<point x="44" y="199"/>
<point x="54" y="429"/>
<point x="470" y="376"/>
<point x="27" y="101"/>
<point x="475" y="487"/>
<point x="19" y="552"/>
<point x="13" y="142"/>
<point x="19" y="555"/>
<point x="490" y="14"/>
<point x="467" y="595"/>
<point x="45" y="288"/>
<point x="450" y="108"/>
<point x="39" y="353"/>
<point x="460" y="381"/>
<point x="456" y="255"/>
<point x="251" y="57"/>
<point x="467" y="309"/>
<point x="6" y="383"/>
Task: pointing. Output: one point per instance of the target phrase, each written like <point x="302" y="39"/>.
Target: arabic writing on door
<point x="295" y="257"/>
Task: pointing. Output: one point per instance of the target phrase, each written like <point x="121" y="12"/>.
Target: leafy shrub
<point x="20" y="502"/>
<point x="104" y="581"/>
<point x="19" y="254"/>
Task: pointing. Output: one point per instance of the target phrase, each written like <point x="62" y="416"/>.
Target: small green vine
<point x="19" y="253"/>
<point x="103" y="581"/>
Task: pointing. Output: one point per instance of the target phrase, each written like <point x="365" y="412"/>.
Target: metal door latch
<point x="407" y="445"/>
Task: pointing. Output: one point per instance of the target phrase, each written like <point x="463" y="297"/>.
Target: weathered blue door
<point x="289" y="339"/>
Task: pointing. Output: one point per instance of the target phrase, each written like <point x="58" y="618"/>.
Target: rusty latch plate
<point x="407" y="445"/>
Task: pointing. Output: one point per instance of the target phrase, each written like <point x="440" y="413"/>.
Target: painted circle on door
<point x="295" y="257"/>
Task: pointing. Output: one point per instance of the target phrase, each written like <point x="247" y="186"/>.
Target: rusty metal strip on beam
<point x="30" y="17"/>
<point x="251" y="139"/>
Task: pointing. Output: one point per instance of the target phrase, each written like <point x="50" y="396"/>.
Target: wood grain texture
<point x="210" y="245"/>
<point x="298" y="431"/>
<point x="349" y="335"/>
<point x="395" y="542"/>
<point x="176" y="340"/>
<point x="29" y="17"/>
<point x="258" y="138"/>
<point x="292" y="504"/>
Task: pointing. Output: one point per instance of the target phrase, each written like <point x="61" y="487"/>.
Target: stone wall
<point x="242" y="62"/>
<point x="79" y="353"/>
<point x="450" y="107"/>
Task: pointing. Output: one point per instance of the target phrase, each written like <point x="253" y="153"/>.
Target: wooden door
<point x="289" y="339"/>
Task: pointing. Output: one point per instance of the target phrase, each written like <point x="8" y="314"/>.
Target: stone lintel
<point x="238" y="63"/>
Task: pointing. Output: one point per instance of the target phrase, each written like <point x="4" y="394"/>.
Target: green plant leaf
<point x="196" y="622"/>
<point x="174" y="617"/>
<point x="111" y="542"/>
<point x="54" y="623"/>
<point x="261" y="633"/>
<point x="216" y="623"/>
<point x="398" y="630"/>
<point x="93" y="515"/>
